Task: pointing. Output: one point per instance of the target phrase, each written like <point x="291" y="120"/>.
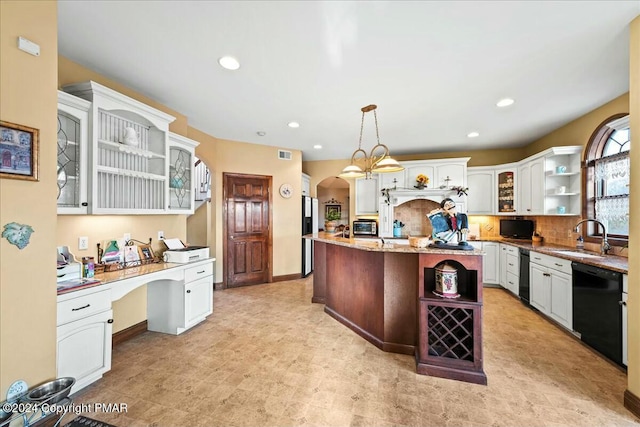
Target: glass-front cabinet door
<point x="72" y="144"/>
<point x="181" y="164"/>
<point x="506" y="180"/>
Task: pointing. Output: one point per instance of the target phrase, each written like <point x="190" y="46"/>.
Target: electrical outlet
<point x="83" y="243"/>
<point x="127" y="237"/>
<point x="160" y="235"/>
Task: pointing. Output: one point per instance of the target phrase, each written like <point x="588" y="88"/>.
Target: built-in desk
<point x="179" y="296"/>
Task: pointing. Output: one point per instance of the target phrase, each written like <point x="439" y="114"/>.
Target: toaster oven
<point x="365" y="227"/>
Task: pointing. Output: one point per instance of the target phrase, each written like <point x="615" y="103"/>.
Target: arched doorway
<point x="333" y="195"/>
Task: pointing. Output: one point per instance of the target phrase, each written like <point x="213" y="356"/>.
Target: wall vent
<point x="284" y="155"/>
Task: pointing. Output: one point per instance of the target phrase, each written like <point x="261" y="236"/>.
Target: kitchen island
<point x="384" y="293"/>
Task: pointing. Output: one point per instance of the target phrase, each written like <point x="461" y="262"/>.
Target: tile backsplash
<point x="557" y="230"/>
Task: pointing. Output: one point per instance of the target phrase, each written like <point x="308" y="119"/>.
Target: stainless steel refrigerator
<point x="309" y="226"/>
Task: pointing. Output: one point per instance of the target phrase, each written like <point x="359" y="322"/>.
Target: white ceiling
<point x="435" y="68"/>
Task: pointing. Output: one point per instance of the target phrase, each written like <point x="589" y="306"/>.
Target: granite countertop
<point x="609" y="262"/>
<point x="390" y="245"/>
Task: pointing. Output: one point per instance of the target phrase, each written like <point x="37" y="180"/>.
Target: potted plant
<point x="331" y="219"/>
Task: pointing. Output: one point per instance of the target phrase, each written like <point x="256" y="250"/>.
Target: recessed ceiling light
<point x="293" y="124"/>
<point x="473" y="134"/>
<point x="318" y="147"/>
<point x="229" y="62"/>
<point x="505" y="102"/>
<point x="261" y="133"/>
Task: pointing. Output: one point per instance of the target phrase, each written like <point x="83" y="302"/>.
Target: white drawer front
<point x="198" y="272"/>
<point x="513" y="283"/>
<point x="560" y="264"/>
<point x="512" y="250"/>
<point x="77" y="308"/>
<point x="513" y="264"/>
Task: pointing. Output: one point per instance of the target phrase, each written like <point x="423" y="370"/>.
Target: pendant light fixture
<point x="378" y="160"/>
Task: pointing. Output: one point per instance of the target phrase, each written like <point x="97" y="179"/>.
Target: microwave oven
<point x="365" y="227"/>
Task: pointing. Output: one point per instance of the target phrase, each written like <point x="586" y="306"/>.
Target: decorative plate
<point x="16" y="390"/>
<point x="286" y="190"/>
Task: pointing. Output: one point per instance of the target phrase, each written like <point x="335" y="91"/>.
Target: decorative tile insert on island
<point x="384" y="293"/>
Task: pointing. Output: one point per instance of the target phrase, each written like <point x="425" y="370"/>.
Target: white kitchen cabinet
<point x="84" y="338"/>
<point x="531" y="187"/>
<point x="509" y="268"/>
<point x="391" y="180"/>
<point x="73" y="146"/>
<point x="551" y="287"/>
<point x="490" y="261"/>
<point x="306" y="185"/>
<point x="503" y="265"/>
<point x="175" y="306"/>
<point x="563" y="184"/>
<point x="128" y="143"/>
<point x="481" y="198"/>
<point x="367" y="196"/>
<point x="385" y="220"/>
<point x="181" y="193"/>
<point x="506" y="185"/>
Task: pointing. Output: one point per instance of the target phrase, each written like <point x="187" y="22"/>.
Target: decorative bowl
<point x="52" y="391"/>
<point x="419" y="242"/>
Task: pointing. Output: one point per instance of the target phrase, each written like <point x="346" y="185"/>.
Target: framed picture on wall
<point x="332" y="211"/>
<point x="18" y="152"/>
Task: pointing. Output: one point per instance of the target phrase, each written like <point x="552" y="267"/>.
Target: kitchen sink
<point x="578" y="254"/>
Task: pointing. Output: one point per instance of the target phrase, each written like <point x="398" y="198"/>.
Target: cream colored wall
<point x="198" y="226"/>
<point x="234" y="157"/>
<point x="27" y="291"/>
<point x="579" y="131"/>
<point x="132" y="308"/>
<point x="633" y="304"/>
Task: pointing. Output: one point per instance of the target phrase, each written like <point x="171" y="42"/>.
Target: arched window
<point x="606" y="180"/>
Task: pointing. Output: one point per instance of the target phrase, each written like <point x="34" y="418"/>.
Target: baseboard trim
<point x="286" y="277"/>
<point x="128" y="333"/>
<point x="219" y="286"/>
<point x="632" y="403"/>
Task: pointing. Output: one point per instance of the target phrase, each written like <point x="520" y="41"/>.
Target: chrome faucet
<point x="604" y="247"/>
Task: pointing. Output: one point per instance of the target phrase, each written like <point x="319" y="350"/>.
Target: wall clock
<point x="286" y="190"/>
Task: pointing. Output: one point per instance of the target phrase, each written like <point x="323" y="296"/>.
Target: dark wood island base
<point x="385" y="295"/>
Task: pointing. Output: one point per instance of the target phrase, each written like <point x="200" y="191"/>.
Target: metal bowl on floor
<point x="52" y="391"/>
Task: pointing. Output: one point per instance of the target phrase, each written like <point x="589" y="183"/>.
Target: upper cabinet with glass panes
<point x="128" y="152"/>
<point x="72" y="154"/>
<point x="181" y="195"/>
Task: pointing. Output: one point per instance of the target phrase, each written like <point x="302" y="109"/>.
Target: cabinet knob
<point x="110" y="321"/>
<point x="189" y="291"/>
<point x="622" y="303"/>
<point x="84" y="204"/>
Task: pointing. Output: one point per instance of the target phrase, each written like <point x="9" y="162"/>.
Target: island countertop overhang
<point x="376" y="245"/>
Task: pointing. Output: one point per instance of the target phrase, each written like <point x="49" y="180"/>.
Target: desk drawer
<point x="198" y="272"/>
<point x="77" y="308"/>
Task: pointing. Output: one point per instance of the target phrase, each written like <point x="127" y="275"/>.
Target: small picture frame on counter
<point x="146" y="253"/>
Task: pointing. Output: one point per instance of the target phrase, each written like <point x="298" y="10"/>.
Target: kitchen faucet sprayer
<point x="604" y="247"/>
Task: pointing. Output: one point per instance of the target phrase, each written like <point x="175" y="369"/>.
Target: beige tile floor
<point x="268" y="357"/>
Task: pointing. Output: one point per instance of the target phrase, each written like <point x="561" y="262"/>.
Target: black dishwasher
<point x="523" y="288"/>
<point x="597" y="313"/>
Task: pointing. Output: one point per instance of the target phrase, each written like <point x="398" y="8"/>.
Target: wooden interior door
<point x="247" y="229"/>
